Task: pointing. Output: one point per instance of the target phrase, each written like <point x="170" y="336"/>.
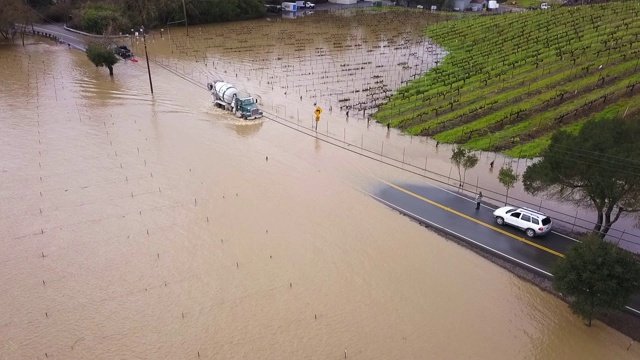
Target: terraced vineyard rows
<point x="512" y="80"/>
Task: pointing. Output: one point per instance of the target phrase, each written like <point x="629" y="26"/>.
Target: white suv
<point x="534" y="223"/>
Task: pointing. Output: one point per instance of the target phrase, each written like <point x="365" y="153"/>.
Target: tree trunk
<point x="24" y="26"/>
<point x="606" y="225"/>
<point x="110" y="70"/>
<point x="608" y="222"/>
<point x="589" y="315"/>
<point x="598" y="225"/>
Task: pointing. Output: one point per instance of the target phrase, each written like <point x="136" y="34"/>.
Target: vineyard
<point x="512" y="80"/>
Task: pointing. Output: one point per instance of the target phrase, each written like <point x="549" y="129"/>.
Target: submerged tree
<point x="463" y="159"/>
<point x="598" y="166"/>
<point x="596" y="275"/>
<point x="100" y="55"/>
<point x="508" y="178"/>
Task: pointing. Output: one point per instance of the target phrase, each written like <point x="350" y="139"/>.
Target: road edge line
<point x="423" y="221"/>
<point x="470" y="218"/>
<point x="460" y="236"/>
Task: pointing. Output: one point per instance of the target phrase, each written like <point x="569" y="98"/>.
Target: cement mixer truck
<point x="226" y="96"/>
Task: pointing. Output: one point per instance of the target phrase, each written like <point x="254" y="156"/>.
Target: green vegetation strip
<point x="521" y="75"/>
<point x="544" y="115"/>
<point x="624" y="107"/>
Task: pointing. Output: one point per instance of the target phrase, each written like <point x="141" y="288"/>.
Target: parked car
<point x="123" y="51"/>
<point x="305" y="5"/>
<point x="534" y="223"/>
<point x="545" y="6"/>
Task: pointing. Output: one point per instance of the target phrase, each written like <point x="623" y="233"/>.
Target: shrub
<point x="96" y="18"/>
<point x="57" y="13"/>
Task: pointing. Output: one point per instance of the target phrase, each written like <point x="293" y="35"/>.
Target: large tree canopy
<point x="597" y="275"/>
<point x="598" y="166"/>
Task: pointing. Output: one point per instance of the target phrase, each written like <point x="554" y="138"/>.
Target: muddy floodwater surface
<point x="157" y="227"/>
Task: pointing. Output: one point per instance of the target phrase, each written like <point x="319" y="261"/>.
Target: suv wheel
<point x="530" y="233"/>
<point x="500" y="220"/>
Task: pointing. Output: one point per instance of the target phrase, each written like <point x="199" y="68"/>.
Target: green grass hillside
<point x="511" y="80"/>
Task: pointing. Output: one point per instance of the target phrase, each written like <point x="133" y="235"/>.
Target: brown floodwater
<point x="156" y="227"/>
<point x="348" y="61"/>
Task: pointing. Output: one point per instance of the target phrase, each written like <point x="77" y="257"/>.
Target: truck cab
<point x="305" y="5"/>
<point x="247" y="108"/>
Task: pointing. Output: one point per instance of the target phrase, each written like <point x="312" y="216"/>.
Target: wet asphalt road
<point x="74" y="40"/>
<point x="455" y="214"/>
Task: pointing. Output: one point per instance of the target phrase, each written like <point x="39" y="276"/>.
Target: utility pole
<point x="186" y="23"/>
<point x="144" y="38"/>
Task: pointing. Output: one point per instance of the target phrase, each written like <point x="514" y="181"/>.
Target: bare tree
<point x="508" y="178"/>
<point x="12" y="12"/>
<point x="463" y="159"/>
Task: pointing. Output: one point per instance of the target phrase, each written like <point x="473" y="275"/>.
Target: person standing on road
<point x="478" y="200"/>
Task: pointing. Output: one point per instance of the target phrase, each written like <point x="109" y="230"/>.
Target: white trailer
<point x="289" y="6"/>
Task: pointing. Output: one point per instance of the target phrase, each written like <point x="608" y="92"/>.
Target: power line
<point x="569" y="156"/>
<point x="599" y="153"/>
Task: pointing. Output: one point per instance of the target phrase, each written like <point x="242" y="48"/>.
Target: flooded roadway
<point x="158" y="227"/>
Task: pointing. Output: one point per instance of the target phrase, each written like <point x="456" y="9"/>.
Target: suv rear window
<point x="546" y="221"/>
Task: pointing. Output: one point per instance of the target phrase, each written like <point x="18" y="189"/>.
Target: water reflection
<point x="247" y="129"/>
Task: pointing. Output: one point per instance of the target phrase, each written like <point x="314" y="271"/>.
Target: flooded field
<point x="156" y="227"/>
<point x="346" y="62"/>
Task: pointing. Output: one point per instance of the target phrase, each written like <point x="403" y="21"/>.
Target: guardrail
<point x="44" y="34"/>
<point x="53" y="37"/>
<point x="94" y="35"/>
